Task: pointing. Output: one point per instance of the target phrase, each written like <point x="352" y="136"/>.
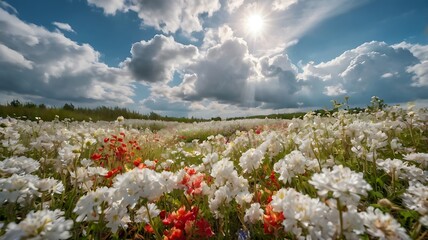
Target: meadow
<point x="342" y="175"/>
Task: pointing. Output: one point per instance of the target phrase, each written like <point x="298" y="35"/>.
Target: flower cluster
<point x="338" y="175"/>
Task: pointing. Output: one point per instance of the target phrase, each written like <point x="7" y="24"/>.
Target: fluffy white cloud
<point x="221" y="74"/>
<point x="373" y="68"/>
<point x="63" y="26"/>
<point x="10" y="56"/>
<point x="227" y="74"/>
<point x="109" y="6"/>
<point x="39" y="63"/>
<point x="157" y="59"/>
<point x="165" y="15"/>
<point x="232" y="5"/>
<point x="335" y="90"/>
<point x="420" y="72"/>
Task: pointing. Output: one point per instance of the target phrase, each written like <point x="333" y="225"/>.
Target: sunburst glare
<point x="255" y="24"/>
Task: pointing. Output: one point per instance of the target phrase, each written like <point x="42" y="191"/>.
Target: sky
<point x="211" y="58"/>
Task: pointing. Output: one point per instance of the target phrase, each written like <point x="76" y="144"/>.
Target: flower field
<point x="343" y="176"/>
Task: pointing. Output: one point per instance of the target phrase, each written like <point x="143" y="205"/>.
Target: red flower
<point x="273" y="179"/>
<point x="96" y="156"/>
<point x="148" y="228"/>
<point x="174" y="234"/>
<point x="272" y="220"/>
<point x="113" y="172"/>
<point x="204" y="228"/>
<point x="137" y="162"/>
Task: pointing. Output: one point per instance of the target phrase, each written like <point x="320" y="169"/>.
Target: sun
<point x="255" y="24"/>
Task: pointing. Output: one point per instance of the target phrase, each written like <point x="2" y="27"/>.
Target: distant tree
<point x="154" y="116"/>
<point x="30" y="105"/>
<point x="15" y="103"/>
<point x="42" y="106"/>
<point x="69" y="107"/>
<point x="216" y="118"/>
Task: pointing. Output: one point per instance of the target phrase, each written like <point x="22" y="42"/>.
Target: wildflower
<point x="117" y="216"/>
<point x="251" y="160"/>
<point x="254" y="213"/>
<point x="272" y="220"/>
<point x="184" y="223"/>
<point x="420" y="158"/>
<point x="346" y="185"/>
<point x="44" y="224"/>
<point x="143" y="214"/>
<point x="17" y="188"/>
<point x="416" y="198"/>
<point x="382" y="225"/>
<point x="301" y="211"/>
<point x="203" y="228"/>
<point x="292" y="165"/>
<point x="88" y="207"/>
<point x="96" y="156"/>
<point x="192" y="181"/>
<point x="49" y="185"/>
<point x="19" y="165"/>
<point x="398" y="169"/>
<point x="243" y="234"/>
<point x="221" y="196"/>
<point x="424" y="220"/>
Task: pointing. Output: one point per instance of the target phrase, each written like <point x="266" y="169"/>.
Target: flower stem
<point x="339" y="207"/>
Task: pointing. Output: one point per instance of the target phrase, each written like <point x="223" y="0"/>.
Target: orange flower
<point x="272" y="220"/>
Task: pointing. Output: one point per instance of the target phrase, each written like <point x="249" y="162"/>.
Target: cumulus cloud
<point x="39" y="63"/>
<point x="63" y="26"/>
<point x="373" y="68"/>
<point x="156" y="60"/>
<point x="14" y="58"/>
<point x="419" y="70"/>
<point x="227" y="73"/>
<point x="221" y="74"/>
<point x="165" y="15"/>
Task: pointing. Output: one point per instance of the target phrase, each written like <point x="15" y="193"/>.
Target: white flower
<point x="120" y="119"/>
<point x="292" y="165"/>
<point x="221" y="196"/>
<point x="253" y="214"/>
<point x="117" y="216"/>
<point x="346" y="185"/>
<point x="302" y="211"/>
<point x="251" y="160"/>
<point x="67" y="154"/>
<point x="49" y="185"/>
<point x="382" y="225"/>
<point x="132" y="185"/>
<point x="44" y="224"/>
<point x="401" y="170"/>
<point x="88" y="207"/>
<point x="424" y="220"/>
<point x="222" y="170"/>
<point x="143" y="215"/>
<point x="18" y="189"/>
<point x="421" y="158"/>
<point x="19" y="165"/>
<point x="416" y="198"/>
<point x="243" y="197"/>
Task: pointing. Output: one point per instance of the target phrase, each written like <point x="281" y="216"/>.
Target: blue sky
<point x="209" y="58"/>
